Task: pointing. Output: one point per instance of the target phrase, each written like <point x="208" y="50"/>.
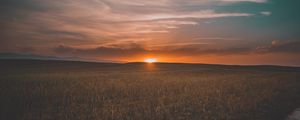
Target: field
<point x="58" y="90"/>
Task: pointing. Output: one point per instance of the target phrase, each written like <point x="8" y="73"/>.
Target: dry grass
<point x="32" y="90"/>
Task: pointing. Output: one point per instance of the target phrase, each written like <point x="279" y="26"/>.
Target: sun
<point x="150" y="60"/>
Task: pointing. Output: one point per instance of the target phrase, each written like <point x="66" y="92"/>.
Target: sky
<point x="189" y="31"/>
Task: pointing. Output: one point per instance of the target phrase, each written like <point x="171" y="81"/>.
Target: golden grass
<point x="135" y="92"/>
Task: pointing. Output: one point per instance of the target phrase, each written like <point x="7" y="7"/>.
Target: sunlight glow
<point x="150" y="60"/>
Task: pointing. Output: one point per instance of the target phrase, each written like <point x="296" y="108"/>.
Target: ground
<point x="61" y="90"/>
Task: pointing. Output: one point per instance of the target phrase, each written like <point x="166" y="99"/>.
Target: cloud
<point x="280" y="47"/>
<point x="275" y="47"/>
<point x="266" y="13"/>
<point x="255" y="1"/>
<point x="120" y="28"/>
<point x="178" y="2"/>
<point x="217" y="38"/>
<point x="94" y="22"/>
<point x="104" y="52"/>
<point x="177" y="50"/>
<point x="198" y="14"/>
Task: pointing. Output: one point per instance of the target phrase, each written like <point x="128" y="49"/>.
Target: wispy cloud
<point x="266" y="13"/>
<point x="173" y="49"/>
<point x="255" y="1"/>
<point x="101" y="21"/>
<point x="198" y="14"/>
<point x="106" y="28"/>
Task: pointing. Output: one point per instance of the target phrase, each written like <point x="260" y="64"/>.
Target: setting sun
<point x="150" y="60"/>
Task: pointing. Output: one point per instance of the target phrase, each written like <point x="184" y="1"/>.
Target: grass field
<point x="57" y="90"/>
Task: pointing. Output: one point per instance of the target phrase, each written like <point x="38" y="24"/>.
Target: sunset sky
<point x="191" y="31"/>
